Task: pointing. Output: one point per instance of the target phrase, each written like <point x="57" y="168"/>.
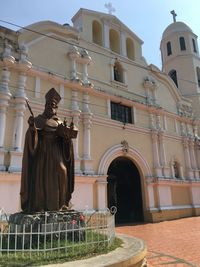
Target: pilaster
<point x="156" y="159"/>
<point x="193" y="158"/>
<point x="74" y="55"/>
<point x="5" y="96"/>
<point x="76" y="118"/>
<point x="87" y="162"/>
<point x="8" y="61"/>
<point x="166" y="169"/>
<point x="197" y="154"/>
<point x="85" y="61"/>
<point x="20" y="107"/>
<point x="106" y="35"/>
<point x="189" y="172"/>
<point x="123" y="44"/>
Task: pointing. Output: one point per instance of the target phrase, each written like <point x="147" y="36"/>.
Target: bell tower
<point x="181" y="61"/>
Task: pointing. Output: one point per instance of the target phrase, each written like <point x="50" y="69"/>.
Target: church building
<point x="138" y="126"/>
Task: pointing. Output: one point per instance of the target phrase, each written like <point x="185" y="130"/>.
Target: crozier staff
<point x="47" y="180"/>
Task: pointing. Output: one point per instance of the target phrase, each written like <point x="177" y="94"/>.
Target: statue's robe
<point x="47" y="180"/>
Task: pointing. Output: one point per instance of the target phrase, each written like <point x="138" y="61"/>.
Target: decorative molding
<point x="125" y="146"/>
<point x="133" y="154"/>
<point x="185" y="110"/>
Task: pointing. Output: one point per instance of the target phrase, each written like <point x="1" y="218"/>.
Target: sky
<point x="146" y="18"/>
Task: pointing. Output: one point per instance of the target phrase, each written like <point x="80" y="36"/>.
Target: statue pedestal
<point x="15" y="161"/>
<point x="62" y="225"/>
<point x="2" y="159"/>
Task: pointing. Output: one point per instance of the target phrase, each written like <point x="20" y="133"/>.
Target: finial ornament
<point x="110" y="8"/>
<point x="174" y="15"/>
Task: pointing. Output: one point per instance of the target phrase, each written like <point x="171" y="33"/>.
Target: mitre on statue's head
<point x="52" y="95"/>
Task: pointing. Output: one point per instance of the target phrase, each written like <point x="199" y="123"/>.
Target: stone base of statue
<point x="50" y="225"/>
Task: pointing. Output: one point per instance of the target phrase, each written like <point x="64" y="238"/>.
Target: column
<point x="73" y="54"/>
<point x="158" y="122"/>
<point x="7" y="58"/>
<point x="152" y="121"/>
<point x="154" y="90"/>
<point x="182" y="129"/>
<point x="106" y="36"/>
<point x="3" y="106"/>
<point x="62" y="94"/>
<point x="197" y="154"/>
<point x="156" y="160"/>
<point x="193" y="159"/>
<point x="166" y="170"/>
<point x="76" y="117"/>
<point x="4" y="100"/>
<point x="87" y="122"/>
<point x="164" y="123"/>
<point x="8" y="61"/>
<point x="85" y="61"/>
<point x="37" y="87"/>
<point x="20" y="107"/>
<point x="189" y="172"/>
<point x="123" y="44"/>
<point x="87" y="127"/>
<point x="24" y="65"/>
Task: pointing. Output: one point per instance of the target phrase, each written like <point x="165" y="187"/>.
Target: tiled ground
<point x="169" y="243"/>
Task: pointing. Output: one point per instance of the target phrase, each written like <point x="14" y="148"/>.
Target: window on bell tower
<point x="173" y="76"/>
<point x="182" y="43"/>
<point x="97" y="32"/>
<point x="194" y="46"/>
<point x="169" y="48"/>
<point x="130" y="48"/>
<point x="198" y="75"/>
<point x="114" y="41"/>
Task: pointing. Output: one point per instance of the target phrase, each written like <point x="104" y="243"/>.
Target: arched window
<point x="182" y="43"/>
<point x="173" y="76"/>
<point x="97" y="32"/>
<point x="114" y="41"/>
<point x="198" y="75"/>
<point x="194" y="45"/>
<point x="118" y="72"/>
<point x="129" y="48"/>
<point x="169" y="49"/>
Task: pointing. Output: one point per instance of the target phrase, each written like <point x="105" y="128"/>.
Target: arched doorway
<point x="124" y="190"/>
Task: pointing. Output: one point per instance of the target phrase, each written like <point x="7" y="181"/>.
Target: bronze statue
<point x="47" y="180"/>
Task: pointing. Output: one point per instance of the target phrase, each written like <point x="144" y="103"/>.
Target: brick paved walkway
<point x="169" y="243"/>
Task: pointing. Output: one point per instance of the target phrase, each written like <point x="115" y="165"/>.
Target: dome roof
<point x="176" y="27"/>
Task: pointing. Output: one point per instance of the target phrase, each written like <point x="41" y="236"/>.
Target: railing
<point x="95" y="229"/>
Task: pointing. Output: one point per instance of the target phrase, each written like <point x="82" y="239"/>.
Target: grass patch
<point x="68" y="251"/>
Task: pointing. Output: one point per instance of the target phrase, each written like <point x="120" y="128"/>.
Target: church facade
<point x="138" y="126"/>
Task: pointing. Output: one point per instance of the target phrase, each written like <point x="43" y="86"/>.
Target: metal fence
<point x="96" y="230"/>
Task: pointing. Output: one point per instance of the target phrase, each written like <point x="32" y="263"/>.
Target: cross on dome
<point x="110" y="8"/>
<point x="174" y="15"/>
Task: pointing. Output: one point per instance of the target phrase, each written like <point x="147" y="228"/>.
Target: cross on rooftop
<point x="174" y="15"/>
<point x="110" y="8"/>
